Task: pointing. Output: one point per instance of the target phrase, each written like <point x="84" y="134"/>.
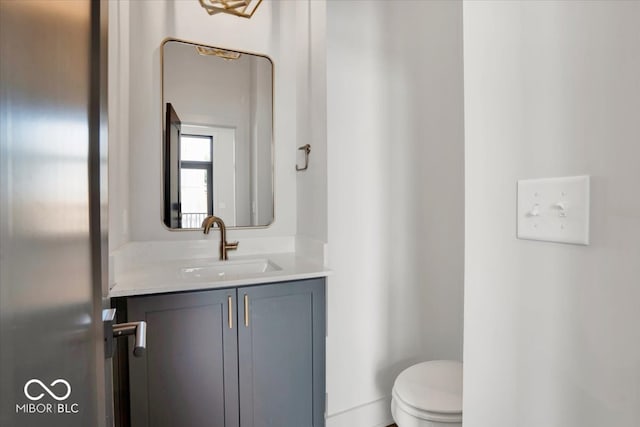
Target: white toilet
<point x="428" y="394"/>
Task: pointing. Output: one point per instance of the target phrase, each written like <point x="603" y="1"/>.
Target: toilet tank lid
<point x="434" y="386"/>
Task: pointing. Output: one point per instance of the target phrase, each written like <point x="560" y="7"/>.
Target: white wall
<point x="194" y="84"/>
<point x="271" y="31"/>
<point x="395" y="197"/>
<point x="312" y="121"/>
<point x="118" y="116"/>
<point x="552" y="334"/>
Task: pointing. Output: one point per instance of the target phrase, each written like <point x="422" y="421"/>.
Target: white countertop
<point x="169" y="276"/>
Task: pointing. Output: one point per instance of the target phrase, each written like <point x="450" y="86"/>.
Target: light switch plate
<point x="554" y="209"/>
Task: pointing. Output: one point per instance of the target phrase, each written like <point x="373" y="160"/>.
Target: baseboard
<point x="372" y="414"/>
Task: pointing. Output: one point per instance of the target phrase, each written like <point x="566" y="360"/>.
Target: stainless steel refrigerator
<point x="53" y="370"/>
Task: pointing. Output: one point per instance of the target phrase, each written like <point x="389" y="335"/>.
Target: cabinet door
<point x="281" y="340"/>
<point x="189" y="374"/>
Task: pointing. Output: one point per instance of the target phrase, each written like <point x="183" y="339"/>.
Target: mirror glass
<point x="218" y="150"/>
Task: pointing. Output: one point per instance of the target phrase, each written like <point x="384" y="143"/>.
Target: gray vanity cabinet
<point x="267" y="369"/>
<point x="281" y="342"/>
<point x="188" y="375"/>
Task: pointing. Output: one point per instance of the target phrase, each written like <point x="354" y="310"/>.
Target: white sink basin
<point x="225" y="270"/>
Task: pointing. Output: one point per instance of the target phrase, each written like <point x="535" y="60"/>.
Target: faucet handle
<point x="231" y="246"/>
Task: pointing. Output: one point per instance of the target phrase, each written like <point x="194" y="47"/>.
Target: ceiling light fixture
<point x="243" y="8"/>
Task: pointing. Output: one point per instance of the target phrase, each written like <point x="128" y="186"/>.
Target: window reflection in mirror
<point x="218" y="151"/>
<point x="196" y="171"/>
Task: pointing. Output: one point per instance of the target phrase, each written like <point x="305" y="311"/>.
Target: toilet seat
<point x="428" y="394"/>
<point x="442" y="417"/>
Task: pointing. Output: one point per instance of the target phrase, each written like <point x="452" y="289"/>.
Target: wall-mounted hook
<point x="307" y="150"/>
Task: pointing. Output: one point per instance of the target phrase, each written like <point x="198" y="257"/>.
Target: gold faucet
<point x="224" y="246"/>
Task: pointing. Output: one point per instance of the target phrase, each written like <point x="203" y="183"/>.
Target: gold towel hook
<point x="307" y="150"/>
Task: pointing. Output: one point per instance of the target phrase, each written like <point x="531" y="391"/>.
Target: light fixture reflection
<point x="242" y="8"/>
<point x="221" y="53"/>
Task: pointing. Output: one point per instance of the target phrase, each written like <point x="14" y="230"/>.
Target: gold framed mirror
<point x="217" y="107"/>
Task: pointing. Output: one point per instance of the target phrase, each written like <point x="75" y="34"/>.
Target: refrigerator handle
<point x="117" y="330"/>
